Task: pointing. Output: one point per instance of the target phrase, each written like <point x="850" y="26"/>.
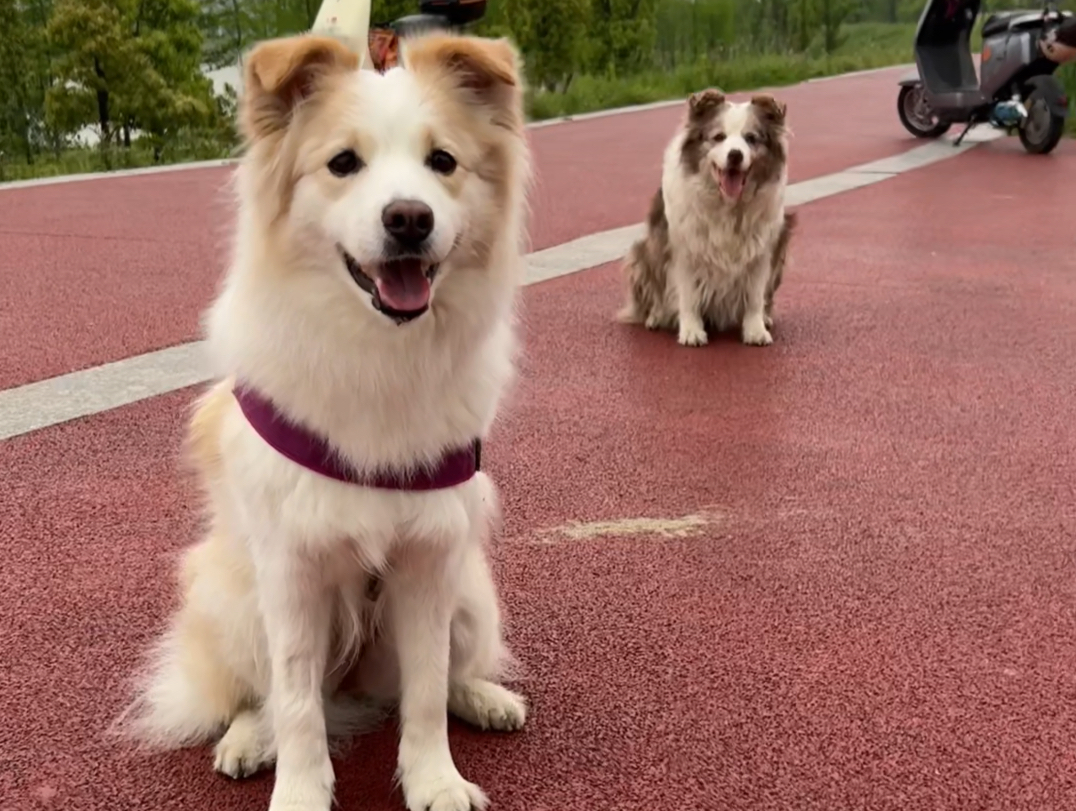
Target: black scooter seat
<point x="999" y="21"/>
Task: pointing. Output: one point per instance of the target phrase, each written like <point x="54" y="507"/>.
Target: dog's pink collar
<point x="305" y="448"/>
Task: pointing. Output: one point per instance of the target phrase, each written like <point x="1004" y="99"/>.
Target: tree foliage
<point x="128" y="65"/>
<point x="624" y="33"/>
<point x="232" y="26"/>
<point x="23" y="67"/>
<point x="554" y="51"/>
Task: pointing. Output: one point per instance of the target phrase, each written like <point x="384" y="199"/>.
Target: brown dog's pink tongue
<point x="732" y="184"/>
<point x="402" y="285"/>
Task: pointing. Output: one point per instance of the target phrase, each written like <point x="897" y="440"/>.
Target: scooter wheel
<point x="1042" y="130"/>
<point x="916" y="116"/>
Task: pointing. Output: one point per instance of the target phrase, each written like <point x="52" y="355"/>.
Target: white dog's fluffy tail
<point x="183" y="698"/>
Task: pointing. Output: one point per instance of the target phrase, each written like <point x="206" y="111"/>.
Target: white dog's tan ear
<point x="488" y="69"/>
<point x="281" y="73"/>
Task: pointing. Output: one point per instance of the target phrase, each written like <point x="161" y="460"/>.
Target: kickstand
<point x="967" y="129"/>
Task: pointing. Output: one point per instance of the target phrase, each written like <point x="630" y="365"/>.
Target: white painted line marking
<point x="580" y="254"/>
<point x="100" y="388"/>
<point x="91" y="391"/>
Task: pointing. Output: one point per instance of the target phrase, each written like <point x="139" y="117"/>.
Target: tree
<point x="549" y="32"/>
<point x="170" y="93"/>
<point x="96" y="63"/>
<point x="23" y="80"/>
<point x="127" y="65"/>
<point x="225" y="28"/>
<point x="623" y="33"/>
<point x="832" y="14"/>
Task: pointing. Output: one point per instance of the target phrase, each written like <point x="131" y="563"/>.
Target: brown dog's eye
<point x="719" y="137"/>
<point x="441" y="162"/>
<point x="345" y="163"/>
<point x="751" y="139"/>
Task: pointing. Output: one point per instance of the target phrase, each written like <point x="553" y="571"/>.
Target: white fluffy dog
<point x="364" y="337"/>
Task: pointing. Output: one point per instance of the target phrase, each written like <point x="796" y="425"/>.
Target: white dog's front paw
<point x="300" y="805"/>
<point x="487" y="705"/>
<point x="692" y="333"/>
<point x="443" y="791"/>
<point x="295" y="801"/>
<point x="246" y="748"/>
<point x="305" y="790"/>
<point x="768" y="321"/>
<point x="756" y="334"/>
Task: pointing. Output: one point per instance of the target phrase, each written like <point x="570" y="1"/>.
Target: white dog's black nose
<point x="409" y="221"/>
<point x="735" y="157"/>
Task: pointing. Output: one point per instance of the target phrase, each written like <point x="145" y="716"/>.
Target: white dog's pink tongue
<point x="402" y="285"/>
<point x="732" y="184"/>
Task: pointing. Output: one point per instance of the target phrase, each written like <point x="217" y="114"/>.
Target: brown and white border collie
<point x="717" y="234"/>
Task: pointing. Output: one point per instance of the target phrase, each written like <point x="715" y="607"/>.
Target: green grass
<point x="84" y="160"/>
<point x="1067" y="75"/>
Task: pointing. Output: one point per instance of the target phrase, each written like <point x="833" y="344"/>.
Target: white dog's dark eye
<point x="719" y="137"/>
<point x="441" y="162"/>
<point x="751" y="139"/>
<point x="345" y="163"/>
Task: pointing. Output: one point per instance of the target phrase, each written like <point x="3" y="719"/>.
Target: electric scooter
<point x="1016" y="89"/>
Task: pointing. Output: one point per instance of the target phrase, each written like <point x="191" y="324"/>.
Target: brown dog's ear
<point x="770" y="109"/>
<point x="702" y="104"/>
<point x="489" y="69"/>
<point x="281" y="73"/>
